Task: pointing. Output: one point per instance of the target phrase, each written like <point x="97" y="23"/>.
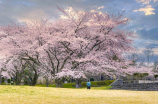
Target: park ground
<point x="10" y="94"/>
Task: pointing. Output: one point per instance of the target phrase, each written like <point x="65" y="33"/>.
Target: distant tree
<point x="148" y="53"/>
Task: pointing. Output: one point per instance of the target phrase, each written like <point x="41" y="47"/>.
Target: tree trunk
<point x="17" y="80"/>
<point x="0" y="78"/>
<point x="78" y="83"/>
<point x="33" y="82"/>
<point x="47" y="82"/>
<point x="59" y="83"/>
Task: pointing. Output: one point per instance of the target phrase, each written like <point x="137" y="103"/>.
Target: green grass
<point x="43" y="85"/>
<point x="49" y="95"/>
<point x="69" y="85"/>
<point x="99" y="88"/>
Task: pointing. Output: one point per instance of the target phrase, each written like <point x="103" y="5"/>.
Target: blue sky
<point x="143" y="15"/>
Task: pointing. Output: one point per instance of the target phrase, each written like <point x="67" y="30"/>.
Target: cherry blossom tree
<point x="1" y="69"/>
<point x="19" y="41"/>
<point x="46" y="71"/>
<point x="97" y="40"/>
<point x="84" y="43"/>
<point x="15" y="69"/>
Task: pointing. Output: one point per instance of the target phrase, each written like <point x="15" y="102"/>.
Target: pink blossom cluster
<point x="71" y="74"/>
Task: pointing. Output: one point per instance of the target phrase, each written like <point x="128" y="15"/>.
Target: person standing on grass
<point x="88" y="84"/>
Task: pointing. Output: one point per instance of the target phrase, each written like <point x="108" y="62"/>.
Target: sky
<point x="143" y="15"/>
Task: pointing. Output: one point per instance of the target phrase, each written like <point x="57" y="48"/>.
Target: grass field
<point x="50" y="95"/>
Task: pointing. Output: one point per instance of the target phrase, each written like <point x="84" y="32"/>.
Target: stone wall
<point x="147" y="81"/>
<point x="138" y="86"/>
<point x="117" y="82"/>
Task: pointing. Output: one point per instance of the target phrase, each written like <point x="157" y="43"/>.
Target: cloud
<point x="18" y="10"/>
<point x="155" y="0"/>
<point x="155" y="51"/>
<point x="32" y="16"/>
<point x="148" y="10"/>
<point x="148" y="33"/>
<point x="100" y="7"/>
<point x="71" y="11"/>
<point x="80" y="0"/>
<point x="144" y="1"/>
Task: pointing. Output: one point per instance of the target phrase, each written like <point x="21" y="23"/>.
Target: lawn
<point x="50" y="95"/>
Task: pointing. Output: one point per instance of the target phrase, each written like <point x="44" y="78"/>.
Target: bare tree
<point x="141" y="60"/>
<point x="148" y="53"/>
<point x="134" y="56"/>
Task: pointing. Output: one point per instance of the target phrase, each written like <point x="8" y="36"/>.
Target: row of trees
<point x="81" y="45"/>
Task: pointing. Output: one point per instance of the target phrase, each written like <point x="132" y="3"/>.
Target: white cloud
<point x="149" y="42"/>
<point x="150" y="63"/>
<point x="71" y="12"/>
<point x="93" y="11"/>
<point x="140" y="51"/>
<point x="33" y="16"/>
<point x="69" y="9"/>
<point x="148" y="10"/>
<point x="63" y="17"/>
<point x="155" y="51"/>
<point x="100" y="7"/>
<point x="150" y="28"/>
<point x="144" y="1"/>
<point x="80" y="0"/>
<point x="140" y="28"/>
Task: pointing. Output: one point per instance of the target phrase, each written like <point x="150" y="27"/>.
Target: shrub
<point x="3" y="83"/>
<point x="93" y="83"/>
<point x="100" y="83"/>
<point x="3" y="80"/>
<point x="73" y="85"/>
<point x="91" y="79"/>
<point x="155" y="76"/>
<point x="84" y="85"/>
<point x="69" y="85"/>
<point x="103" y="83"/>
<point x="109" y="82"/>
<point x="25" y="82"/>
<point x="8" y="80"/>
<point x="44" y="85"/>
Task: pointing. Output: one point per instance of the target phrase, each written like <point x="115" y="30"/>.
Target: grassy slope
<point x="43" y="95"/>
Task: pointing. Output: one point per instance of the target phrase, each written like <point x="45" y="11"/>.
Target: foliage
<point x="155" y="76"/>
<point x="91" y="79"/>
<point x="102" y="83"/>
<point x="3" y="83"/>
<point x="43" y="85"/>
<point x="69" y="85"/>
<point x="3" y="80"/>
<point x="72" y="85"/>
<point x="141" y="75"/>
<point x="8" y="80"/>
